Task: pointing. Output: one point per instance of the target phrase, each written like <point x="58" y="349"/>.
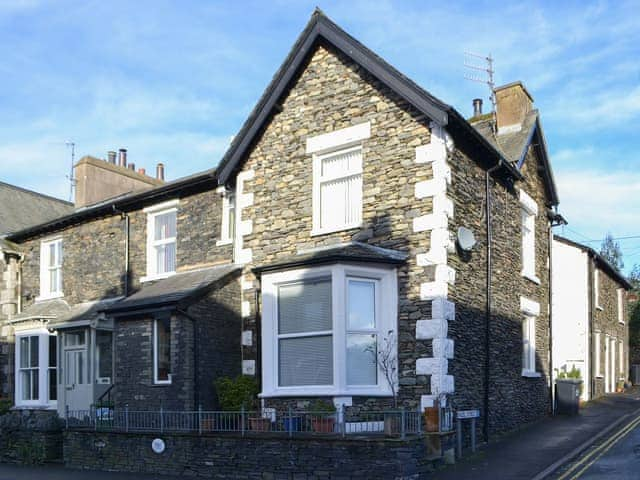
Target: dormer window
<point x="51" y="268"/>
<point x="161" y="240"/>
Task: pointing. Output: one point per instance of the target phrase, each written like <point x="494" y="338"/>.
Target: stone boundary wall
<point x="232" y="456"/>
<point x="30" y="437"/>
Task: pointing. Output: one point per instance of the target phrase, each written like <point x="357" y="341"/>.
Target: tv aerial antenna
<point x="481" y="71"/>
<point x="72" y="179"/>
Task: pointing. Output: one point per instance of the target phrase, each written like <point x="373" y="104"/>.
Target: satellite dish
<point x="466" y="239"/>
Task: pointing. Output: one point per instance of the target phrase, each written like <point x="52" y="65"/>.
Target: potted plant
<point x="234" y="395"/>
<point x="323" y="418"/>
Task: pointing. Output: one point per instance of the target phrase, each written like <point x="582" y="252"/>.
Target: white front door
<point x="76" y="378"/>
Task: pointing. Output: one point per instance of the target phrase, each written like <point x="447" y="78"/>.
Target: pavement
<point x="58" y="472"/>
<point x="531" y="452"/>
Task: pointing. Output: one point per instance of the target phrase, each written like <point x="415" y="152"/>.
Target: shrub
<point x="234" y="393"/>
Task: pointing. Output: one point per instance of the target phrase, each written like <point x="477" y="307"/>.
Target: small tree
<point x="388" y="362"/>
<point x="634" y="276"/>
<point x="611" y="251"/>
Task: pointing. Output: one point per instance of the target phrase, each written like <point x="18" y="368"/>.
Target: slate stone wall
<point x="30" y="436"/>
<point x="230" y="456"/>
<point x="605" y="320"/>
<point x="513" y="398"/>
<point x="215" y="349"/>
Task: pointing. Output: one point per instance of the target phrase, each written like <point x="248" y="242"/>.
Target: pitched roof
<point x="172" y="291"/>
<point x="515" y="144"/>
<point x="343" y="252"/>
<point x="321" y="28"/>
<point x="602" y="262"/>
<point x="124" y="202"/>
<point x="21" y="208"/>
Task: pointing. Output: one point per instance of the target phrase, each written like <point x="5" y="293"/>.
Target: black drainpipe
<point x="487" y="359"/>
<point x="125" y="217"/>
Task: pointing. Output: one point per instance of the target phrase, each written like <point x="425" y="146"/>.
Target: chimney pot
<point x="132" y="166"/>
<point x="122" y="157"/>
<point x="111" y="157"/>
<point x="142" y="171"/>
<point x="477" y="107"/>
<point x="160" y="171"/>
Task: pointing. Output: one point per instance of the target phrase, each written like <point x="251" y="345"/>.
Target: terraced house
<point x="354" y="212"/>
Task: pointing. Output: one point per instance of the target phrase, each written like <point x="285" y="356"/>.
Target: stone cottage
<point x="354" y="213"/>
<point x="590" y="330"/>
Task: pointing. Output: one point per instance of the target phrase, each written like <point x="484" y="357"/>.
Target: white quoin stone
<point x="431" y="290"/>
<point x="429" y="329"/>
<point x="435" y="256"/>
<point x="248" y="367"/>
<point x="443" y="204"/>
<point x="432" y="152"/>
<point x="247" y="338"/>
<point x="432" y="366"/>
<point x="443" y="347"/>
<point x="442" y="170"/>
<point x="443" y="308"/>
<point x="442" y="384"/>
<point x="246" y="227"/>
<point x="430" y="188"/>
<point x="427" y="401"/>
<point x="244" y="256"/>
<point x="429" y="222"/>
<point x="246" y="309"/>
<point x="445" y="273"/>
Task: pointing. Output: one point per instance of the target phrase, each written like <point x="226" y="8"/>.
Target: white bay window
<point x="322" y="327"/>
<point x="36" y="362"/>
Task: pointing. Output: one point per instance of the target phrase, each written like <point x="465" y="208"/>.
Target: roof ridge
<point x="33" y="192"/>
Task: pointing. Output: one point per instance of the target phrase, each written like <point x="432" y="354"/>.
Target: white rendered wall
<point x="570" y="297"/>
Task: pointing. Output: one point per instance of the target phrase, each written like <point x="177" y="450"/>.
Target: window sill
<point x="41" y="406"/>
<point x="531" y="374"/>
<point x="621" y="322"/>
<point x="324" y="231"/>
<point x="532" y="277"/>
<point x="152" y="278"/>
<point x="52" y="296"/>
<point x="326" y="392"/>
<point x="161" y="384"/>
<point x="227" y="241"/>
<point x="599" y="375"/>
<point x="598" y="307"/>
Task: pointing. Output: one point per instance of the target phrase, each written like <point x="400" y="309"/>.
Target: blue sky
<point x="173" y="82"/>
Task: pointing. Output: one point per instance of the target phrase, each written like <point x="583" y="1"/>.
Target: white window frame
<point x="43" y="368"/>
<point x="228" y="204"/>
<point x="597" y="359"/>
<point x="152" y="213"/>
<point x="156" y="380"/>
<point x="529" y="213"/>
<point x="329" y="144"/>
<point x="386" y="297"/>
<point x="46" y="291"/>
<point x="622" y="362"/>
<point x="531" y="311"/>
<point x="596" y="288"/>
<point x="621" y="312"/>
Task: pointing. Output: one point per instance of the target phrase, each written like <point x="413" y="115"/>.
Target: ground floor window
<point x="529" y="344"/>
<point x="323" y="328"/>
<point x="36" y="374"/>
<point x="162" y="350"/>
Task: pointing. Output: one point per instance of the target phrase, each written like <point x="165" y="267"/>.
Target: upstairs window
<point x="529" y="211"/>
<point x="596" y="288"/>
<point x="621" y="305"/>
<point x="337" y="178"/>
<point x="51" y="268"/>
<point x="161" y="240"/>
<point x="227" y="232"/>
<point x="338" y="185"/>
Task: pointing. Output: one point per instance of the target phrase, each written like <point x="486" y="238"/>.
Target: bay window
<point x="161" y="240"/>
<point x="162" y="350"/>
<point x="322" y="328"/>
<point x="36" y="363"/>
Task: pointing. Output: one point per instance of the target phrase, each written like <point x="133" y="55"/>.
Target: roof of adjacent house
<point x="343" y="252"/>
<point x="60" y="314"/>
<point x="21" y="208"/>
<point x="515" y="145"/>
<point x="602" y="262"/>
<point x="321" y="29"/>
<point x="171" y="292"/>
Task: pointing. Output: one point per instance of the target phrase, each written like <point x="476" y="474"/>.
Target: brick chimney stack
<point x="513" y="103"/>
